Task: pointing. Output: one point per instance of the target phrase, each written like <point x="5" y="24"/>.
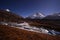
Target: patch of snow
<point x="37" y="15"/>
<point x="26" y="26"/>
<point x="41" y="14"/>
<point x="58" y="15"/>
<point x="53" y="32"/>
<point x="44" y="30"/>
<point x="3" y="23"/>
<point x="7" y="10"/>
<point x="34" y="15"/>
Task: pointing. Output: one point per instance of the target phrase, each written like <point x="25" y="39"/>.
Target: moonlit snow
<point x="37" y="15"/>
<point x="7" y="10"/>
<point x="26" y="26"/>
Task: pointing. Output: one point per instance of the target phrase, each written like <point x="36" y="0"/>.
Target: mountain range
<point x="8" y="15"/>
<point x="8" y="32"/>
<point x="53" y="16"/>
<point x="37" y="19"/>
<point x="42" y="16"/>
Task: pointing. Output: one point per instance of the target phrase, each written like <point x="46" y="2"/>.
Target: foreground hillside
<point x="10" y="33"/>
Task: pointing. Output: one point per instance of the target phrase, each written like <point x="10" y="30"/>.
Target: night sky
<point x="28" y="7"/>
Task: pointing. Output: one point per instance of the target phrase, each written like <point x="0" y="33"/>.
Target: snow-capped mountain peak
<point x="40" y="14"/>
<point x="37" y="15"/>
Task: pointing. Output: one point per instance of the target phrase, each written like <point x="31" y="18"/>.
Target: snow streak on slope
<point x="26" y="26"/>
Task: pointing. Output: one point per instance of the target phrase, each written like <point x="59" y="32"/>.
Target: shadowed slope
<point x="9" y="16"/>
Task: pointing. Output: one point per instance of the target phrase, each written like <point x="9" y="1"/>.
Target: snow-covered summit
<point x="37" y="15"/>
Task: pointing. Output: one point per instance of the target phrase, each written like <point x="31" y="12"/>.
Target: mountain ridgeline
<point x="37" y="15"/>
<point x="55" y="16"/>
<point x="9" y="16"/>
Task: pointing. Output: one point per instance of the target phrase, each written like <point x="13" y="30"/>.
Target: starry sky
<point x="28" y="7"/>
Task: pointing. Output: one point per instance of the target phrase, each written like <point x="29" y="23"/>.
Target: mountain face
<point x="36" y="16"/>
<point x="53" y="16"/>
<point x="6" y="15"/>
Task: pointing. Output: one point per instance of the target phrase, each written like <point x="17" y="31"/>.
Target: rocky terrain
<point x="11" y="33"/>
<point x="12" y="27"/>
<point x="9" y="16"/>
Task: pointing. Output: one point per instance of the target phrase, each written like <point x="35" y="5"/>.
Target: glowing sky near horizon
<point x="28" y="7"/>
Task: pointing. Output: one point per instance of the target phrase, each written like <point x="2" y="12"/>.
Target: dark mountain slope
<point x="55" y="16"/>
<point x="9" y="16"/>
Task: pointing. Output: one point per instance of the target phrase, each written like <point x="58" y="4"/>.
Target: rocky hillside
<point x="9" y="16"/>
<point x="10" y="33"/>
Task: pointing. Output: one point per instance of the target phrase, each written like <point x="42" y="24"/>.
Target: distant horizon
<point x="32" y="13"/>
<point x="28" y="15"/>
<point x="28" y="7"/>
